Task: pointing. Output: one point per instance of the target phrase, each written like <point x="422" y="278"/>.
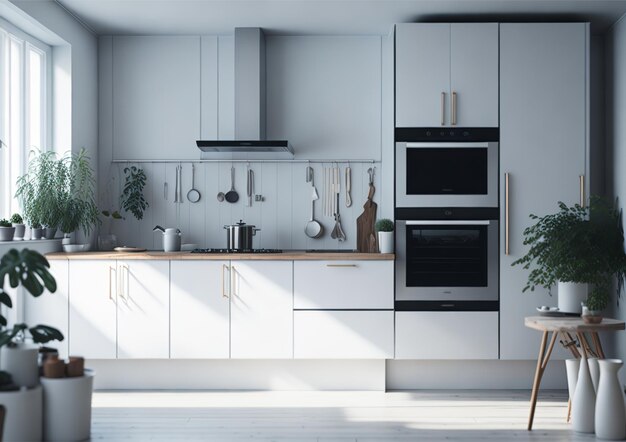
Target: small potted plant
<point x="18" y="222"/>
<point x="7" y="231"/>
<point x="36" y="231"/>
<point x="385" y="227"/>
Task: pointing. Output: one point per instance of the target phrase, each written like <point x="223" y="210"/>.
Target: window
<point x="24" y="107"/>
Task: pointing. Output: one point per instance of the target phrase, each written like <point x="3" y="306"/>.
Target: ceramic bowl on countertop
<point x="75" y="248"/>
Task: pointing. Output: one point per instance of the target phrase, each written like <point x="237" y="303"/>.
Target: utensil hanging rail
<point x="247" y="161"/>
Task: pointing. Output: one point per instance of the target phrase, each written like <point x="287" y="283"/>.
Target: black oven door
<point x="448" y="260"/>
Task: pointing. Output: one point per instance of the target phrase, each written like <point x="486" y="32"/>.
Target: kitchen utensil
<point x="313" y="229"/>
<point x="365" y="234"/>
<point x="310" y="178"/>
<point x="232" y="196"/>
<point x="250" y="186"/>
<point x="176" y="185"/>
<point x="165" y="190"/>
<point x="220" y="196"/>
<point x="180" y="184"/>
<point x="193" y="195"/>
<point x="126" y="249"/>
<point x="239" y="236"/>
<point x="171" y="238"/>
<point x="348" y="186"/>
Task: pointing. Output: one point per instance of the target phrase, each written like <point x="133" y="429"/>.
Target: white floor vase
<point x="572" y="366"/>
<point x="610" y="413"/>
<point x="23" y="420"/>
<point x="584" y="403"/>
<point x="594" y="371"/>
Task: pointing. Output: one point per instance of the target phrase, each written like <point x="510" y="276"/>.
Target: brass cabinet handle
<point x="453" y="116"/>
<point x="341" y="265"/>
<point x="506" y="214"/>
<point x="443" y="108"/>
<point x="581" y="180"/>
<point x="224" y="268"/>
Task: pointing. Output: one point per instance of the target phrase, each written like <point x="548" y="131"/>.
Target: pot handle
<point x="254" y="231"/>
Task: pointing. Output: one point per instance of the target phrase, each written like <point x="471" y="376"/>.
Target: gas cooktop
<point x="236" y="251"/>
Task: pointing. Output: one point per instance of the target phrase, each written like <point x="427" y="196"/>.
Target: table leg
<point x="570" y="344"/>
<point x="585" y="343"/>
<point x="569" y="410"/>
<point x="542" y="362"/>
<point x="598" y="345"/>
<point x="582" y="340"/>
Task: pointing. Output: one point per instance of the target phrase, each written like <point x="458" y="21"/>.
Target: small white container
<point x="171" y="240"/>
<point x="24" y="412"/>
<point x="21" y="363"/>
<point x="20" y="231"/>
<point x="385" y="242"/>
<point x="571" y="295"/>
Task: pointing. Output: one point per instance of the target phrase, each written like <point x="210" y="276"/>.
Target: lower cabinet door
<point x="343" y="334"/>
<point x="446" y="335"/>
<point x="261" y="310"/>
<point x="143" y="309"/>
<point x="199" y="310"/>
<point x="93" y="309"/>
<point x="51" y="308"/>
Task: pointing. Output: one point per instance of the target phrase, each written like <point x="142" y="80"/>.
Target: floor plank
<point x="465" y="416"/>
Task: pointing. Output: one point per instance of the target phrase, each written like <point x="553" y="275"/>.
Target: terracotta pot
<point x="75" y="367"/>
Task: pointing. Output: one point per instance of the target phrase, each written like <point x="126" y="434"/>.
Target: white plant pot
<point x="36" y="233"/>
<point x="572" y="366"/>
<point x="23" y="418"/>
<point x="20" y="231"/>
<point x="571" y="296"/>
<point x="22" y="363"/>
<point x="385" y="242"/>
<point x="67" y="407"/>
<point x="584" y="403"/>
<point x="7" y="233"/>
<point x="610" y="412"/>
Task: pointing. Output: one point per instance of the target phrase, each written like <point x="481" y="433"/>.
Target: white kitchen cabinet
<point x="156" y="96"/>
<point x="261" y="309"/>
<point x="343" y="334"/>
<point x="199" y="309"/>
<point x="543" y="150"/>
<point x="446" y="335"/>
<point x="51" y="308"/>
<point x="143" y="309"/>
<point x="343" y="285"/>
<point x="93" y="308"/>
<point x="447" y="74"/>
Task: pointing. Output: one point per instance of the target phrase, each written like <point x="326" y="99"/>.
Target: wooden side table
<point x="567" y="328"/>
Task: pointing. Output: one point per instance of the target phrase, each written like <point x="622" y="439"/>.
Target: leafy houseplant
<point x="132" y="199"/>
<point x="385" y="228"/>
<point x="577" y="245"/>
<point x="6" y="230"/>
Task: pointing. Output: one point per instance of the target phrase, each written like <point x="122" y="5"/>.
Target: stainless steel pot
<point x="239" y="236"/>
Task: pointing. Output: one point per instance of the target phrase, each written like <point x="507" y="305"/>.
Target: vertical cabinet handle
<point x="224" y="268"/>
<point x="443" y="108"/>
<point x="506" y="214"/>
<point x="233" y="274"/>
<point x="110" y="285"/>
<point x="581" y="180"/>
<point x="453" y="111"/>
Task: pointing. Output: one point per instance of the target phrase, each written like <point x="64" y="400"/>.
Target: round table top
<point x="572" y="324"/>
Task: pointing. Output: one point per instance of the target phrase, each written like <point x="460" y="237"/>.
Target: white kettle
<point x="171" y="238"/>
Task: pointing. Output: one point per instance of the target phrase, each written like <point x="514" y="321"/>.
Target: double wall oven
<point x="447" y="219"/>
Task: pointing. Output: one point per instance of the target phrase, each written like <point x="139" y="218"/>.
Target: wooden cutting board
<point x="365" y="233"/>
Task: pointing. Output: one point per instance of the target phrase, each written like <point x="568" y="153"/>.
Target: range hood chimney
<point x="249" y="142"/>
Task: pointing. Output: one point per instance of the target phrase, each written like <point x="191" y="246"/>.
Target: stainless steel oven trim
<point x="489" y="293"/>
<point x="488" y="200"/>
<point x="448" y="223"/>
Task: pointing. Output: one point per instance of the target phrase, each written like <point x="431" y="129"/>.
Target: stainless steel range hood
<point x="249" y="142"/>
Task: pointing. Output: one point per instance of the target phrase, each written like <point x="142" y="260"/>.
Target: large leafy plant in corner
<point x="577" y="244"/>
<point x="29" y="269"/>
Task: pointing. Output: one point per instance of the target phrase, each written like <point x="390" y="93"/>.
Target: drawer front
<point x="343" y="334"/>
<point x="343" y="285"/>
<point x="446" y="335"/>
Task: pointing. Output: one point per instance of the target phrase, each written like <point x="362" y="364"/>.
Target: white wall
<point x="331" y="96"/>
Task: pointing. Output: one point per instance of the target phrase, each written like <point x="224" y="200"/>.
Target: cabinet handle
<point x="224" y="295"/>
<point x="453" y="116"/>
<point x="233" y="273"/>
<point x="506" y="214"/>
<point x="110" y="285"/>
<point x="341" y="265"/>
<point x="581" y="180"/>
<point x="443" y="108"/>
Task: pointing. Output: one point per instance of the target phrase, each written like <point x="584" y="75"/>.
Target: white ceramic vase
<point x="594" y="371"/>
<point x="23" y="419"/>
<point x="571" y="296"/>
<point x="610" y="412"/>
<point x="572" y="366"/>
<point x="584" y="403"/>
<point x="67" y="407"/>
<point x="21" y="363"/>
<point x="385" y="242"/>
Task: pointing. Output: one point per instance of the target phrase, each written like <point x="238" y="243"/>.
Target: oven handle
<point x="449" y="223"/>
<point x="446" y="144"/>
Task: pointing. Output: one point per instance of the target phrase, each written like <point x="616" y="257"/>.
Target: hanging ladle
<point x="193" y="195"/>
<point x="232" y="196"/>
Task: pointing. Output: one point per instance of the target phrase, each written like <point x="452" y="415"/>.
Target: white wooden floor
<point x="329" y="416"/>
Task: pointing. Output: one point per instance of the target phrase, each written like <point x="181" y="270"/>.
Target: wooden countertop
<point x="289" y="255"/>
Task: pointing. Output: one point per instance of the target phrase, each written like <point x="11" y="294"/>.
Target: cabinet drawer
<point x="447" y="335"/>
<point x="343" y="334"/>
<point x="343" y="285"/>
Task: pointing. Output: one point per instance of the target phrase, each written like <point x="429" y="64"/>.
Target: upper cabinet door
<point x="422" y="74"/>
<point x="543" y="149"/>
<point x="156" y="97"/>
<point x="143" y="326"/>
<point x="474" y="75"/>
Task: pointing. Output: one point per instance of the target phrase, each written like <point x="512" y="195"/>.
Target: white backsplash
<point x="281" y="217"/>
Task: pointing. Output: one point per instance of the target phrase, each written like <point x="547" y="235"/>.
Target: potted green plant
<point x="385" y="228"/>
<point x="576" y="248"/>
<point x="18" y="222"/>
<point x="7" y="231"/>
<point x="132" y="199"/>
